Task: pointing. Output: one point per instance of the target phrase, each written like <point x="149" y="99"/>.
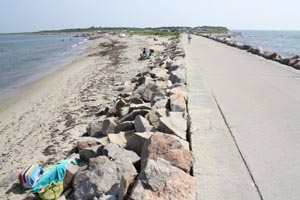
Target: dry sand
<point x="42" y="124"/>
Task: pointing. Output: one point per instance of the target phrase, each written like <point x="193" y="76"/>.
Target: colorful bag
<point x="30" y="175"/>
<point x="52" y="191"/>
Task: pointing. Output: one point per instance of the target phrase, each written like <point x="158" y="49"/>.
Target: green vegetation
<point x="155" y="32"/>
<point x="170" y="32"/>
<point x="211" y="29"/>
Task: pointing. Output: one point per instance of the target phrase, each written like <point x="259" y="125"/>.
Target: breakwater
<point x="292" y="61"/>
<point x="139" y="147"/>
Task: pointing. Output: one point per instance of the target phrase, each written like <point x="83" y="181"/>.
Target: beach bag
<point x="52" y="191"/>
<point x="30" y="175"/>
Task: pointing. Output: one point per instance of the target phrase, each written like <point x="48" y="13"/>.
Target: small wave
<point x="74" y="45"/>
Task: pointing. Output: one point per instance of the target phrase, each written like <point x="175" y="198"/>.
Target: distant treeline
<point x="161" y="31"/>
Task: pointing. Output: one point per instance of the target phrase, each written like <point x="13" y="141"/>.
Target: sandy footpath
<point x="43" y="123"/>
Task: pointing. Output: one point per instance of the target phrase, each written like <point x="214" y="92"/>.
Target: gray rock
<point x="297" y="65"/>
<point x="160" y="180"/>
<point x="142" y="125"/>
<point x="136" y="100"/>
<point x="108" y="126"/>
<point x="270" y="55"/>
<point x="108" y="197"/>
<point x="103" y="177"/>
<point x="115" y="152"/>
<point x="285" y="61"/>
<point x="131" y="116"/>
<point x="126" y="182"/>
<point x="154" y="115"/>
<point x="174" y="66"/>
<point x="87" y="142"/>
<point x="124" y="126"/>
<point x="157" y="96"/>
<point x="177" y="103"/>
<point x="178" y="76"/>
<point x="120" y="139"/>
<point x="137" y="140"/>
<point x="147" y="95"/>
<point x="180" y="90"/>
<point x="159" y="73"/>
<point x="95" y="127"/>
<point x="160" y="104"/>
<point x="145" y="106"/>
<point x="124" y="111"/>
<point x="173" y="125"/>
<point x="120" y="103"/>
<point x="293" y="61"/>
<point x="294" y="57"/>
<point x="91" y="152"/>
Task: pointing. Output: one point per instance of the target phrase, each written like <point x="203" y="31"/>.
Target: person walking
<point x="189" y="37"/>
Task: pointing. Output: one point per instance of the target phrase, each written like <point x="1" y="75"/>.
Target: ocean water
<point x="27" y="58"/>
<point x="285" y="43"/>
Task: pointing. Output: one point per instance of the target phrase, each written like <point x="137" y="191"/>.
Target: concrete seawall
<point x="245" y="119"/>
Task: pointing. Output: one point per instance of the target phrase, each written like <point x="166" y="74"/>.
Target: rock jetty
<point x="292" y="61"/>
<point x="138" y="149"/>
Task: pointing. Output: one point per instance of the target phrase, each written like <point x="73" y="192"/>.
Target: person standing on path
<point x="189" y="37"/>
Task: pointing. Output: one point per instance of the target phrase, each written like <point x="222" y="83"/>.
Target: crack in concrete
<point x="238" y="148"/>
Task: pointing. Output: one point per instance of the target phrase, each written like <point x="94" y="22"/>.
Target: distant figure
<point x="146" y="54"/>
<point x="189" y="37"/>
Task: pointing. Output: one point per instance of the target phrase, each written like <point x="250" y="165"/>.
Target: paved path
<point x="245" y="123"/>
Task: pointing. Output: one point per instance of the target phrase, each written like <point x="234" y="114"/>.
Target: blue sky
<point x="35" y="15"/>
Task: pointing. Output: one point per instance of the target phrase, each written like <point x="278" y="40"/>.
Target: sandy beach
<point x="41" y="125"/>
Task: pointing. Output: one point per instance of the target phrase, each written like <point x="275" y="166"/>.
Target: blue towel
<point x="53" y="174"/>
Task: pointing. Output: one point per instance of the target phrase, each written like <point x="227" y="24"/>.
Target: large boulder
<point x="297" y="65"/>
<point x="170" y="148"/>
<point x="108" y="126"/>
<point x="120" y="103"/>
<point x="160" y="180"/>
<point x="270" y="55"/>
<point x="102" y="177"/>
<point x="131" y="116"/>
<point x="108" y="197"/>
<point x="284" y="61"/>
<point x="124" y="126"/>
<point x="87" y="142"/>
<point x="115" y="152"/>
<point x="121" y="138"/>
<point x="173" y="125"/>
<point x="135" y="99"/>
<point x="145" y="106"/>
<point x="95" y="127"/>
<point x="126" y="181"/>
<point x="177" y="103"/>
<point x="154" y="115"/>
<point x="160" y="104"/>
<point x="142" y="125"/>
<point x="178" y="75"/>
<point x="159" y="73"/>
<point x="91" y="152"/>
<point x="180" y="90"/>
<point x="137" y="140"/>
<point x="292" y="62"/>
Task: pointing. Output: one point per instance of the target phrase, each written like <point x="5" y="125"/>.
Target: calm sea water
<point x="27" y="58"/>
<point x="286" y="43"/>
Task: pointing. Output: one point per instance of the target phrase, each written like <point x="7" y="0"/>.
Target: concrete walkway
<point x="245" y="114"/>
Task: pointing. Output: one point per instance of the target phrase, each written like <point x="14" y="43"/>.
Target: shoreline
<point x="47" y="65"/>
<point x="42" y="124"/>
<point x="27" y="89"/>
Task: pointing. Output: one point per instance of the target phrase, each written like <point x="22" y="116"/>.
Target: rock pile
<point x="138" y="148"/>
<point x="293" y="61"/>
